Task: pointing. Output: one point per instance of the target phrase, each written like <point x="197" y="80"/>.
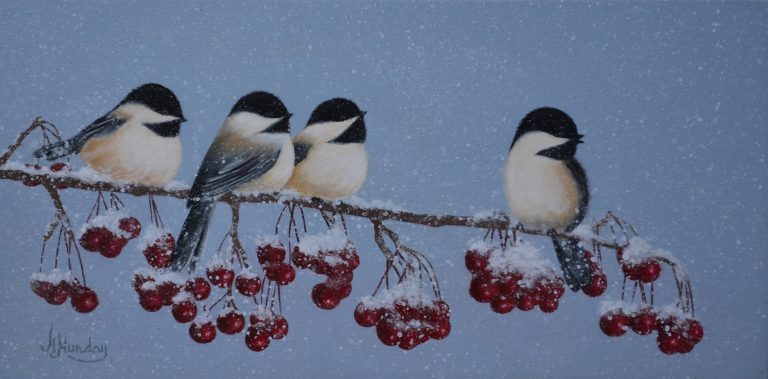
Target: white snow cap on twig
<point x="639" y="250"/>
<point x="333" y="240"/>
<point x="409" y="290"/>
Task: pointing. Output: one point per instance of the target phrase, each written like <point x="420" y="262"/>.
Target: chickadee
<point x="330" y="158"/>
<point x="547" y="187"/>
<point x="251" y="153"/>
<point x="136" y="142"/>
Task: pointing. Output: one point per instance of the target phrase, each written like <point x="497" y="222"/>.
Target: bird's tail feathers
<point x="577" y="268"/>
<point x="191" y="242"/>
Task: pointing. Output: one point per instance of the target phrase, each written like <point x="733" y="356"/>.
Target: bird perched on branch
<point x="251" y="153"/>
<point x="547" y="187"/>
<point x="136" y="142"/>
<point x="330" y="157"/>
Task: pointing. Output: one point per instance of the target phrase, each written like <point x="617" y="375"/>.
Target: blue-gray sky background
<point x="671" y="97"/>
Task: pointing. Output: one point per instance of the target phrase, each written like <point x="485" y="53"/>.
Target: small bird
<point x="547" y="187"/>
<point x="251" y="153"/>
<point x="330" y="157"/>
<point x="137" y="142"/>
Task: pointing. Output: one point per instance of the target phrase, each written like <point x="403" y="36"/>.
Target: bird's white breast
<point x="540" y="191"/>
<point x="134" y="154"/>
<point x="331" y="171"/>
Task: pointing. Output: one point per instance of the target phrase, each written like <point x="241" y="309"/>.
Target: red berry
<point x="113" y="248"/>
<point x="202" y="333"/>
<point x="614" y="323"/>
<point x="270" y="253"/>
<point x="199" y="288"/>
<point x="248" y="286"/>
<point x="409" y="339"/>
<point x="670" y="343"/>
<point x="280" y="328"/>
<point x="597" y="286"/>
<point x="440" y="329"/>
<point x="220" y="276"/>
<point x="58" y="293"/>
<point x="643" y="322"/>
<point x="526" y="299"/>
<point x="475" y="261"/>
<point x="256" y="339"/>
<point x="508" y="285"/>
<point x="281" y="273"/>
<point x="151" y="300"/>
<point x="350" y="256"/>
<point x="132" y="226"/>
<point x="503" y="304"/>
<point x="367" y="316"/>
<point x="184" y="312"/>
<point x="342" y="287"/>
<point x="300" y="259"/>
<point x="649" y="271"/>
<point x="548" y="305"/>
<point x="324" y="296"/>
<point x="231" y="322"/>
<point x="168" y="290"/>
<point x="157" y="256"/>
<point x="40" y="287"/>
<point x="630" y="271"/>
<point x="694" y="331"/>
<point x="56" y="167"/>
<point x="94" y="238"/>
<point x="139" y="280"/>
<point x="483" y="289"/>
<point x="388" y="333"/>
<point x="84" y="299"/>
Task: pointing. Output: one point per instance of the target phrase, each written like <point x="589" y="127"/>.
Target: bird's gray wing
<point x="103" y="126"/>
<point x="581" y="180"/>
<point x="223" y="170"/>
<point x="300" y="152"/>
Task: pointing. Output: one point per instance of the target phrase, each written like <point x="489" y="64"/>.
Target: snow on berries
<point x="108" y="233"/>
<point x="677" y="332"/>
<point x="332" y="255"/>
<point x="404" y="316"/>
<point x="638" y="261"/>
<point x="515" y="276"/>
<point x="157" y="245"/>
<point x="57" y="286"/>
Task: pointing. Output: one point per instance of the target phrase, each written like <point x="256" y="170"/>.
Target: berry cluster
<point x="512" y="277"/>
<point x="109" y="233"/>
<point x="56" y="167"/>
<point x="57" y="286"/>
<point x="330" y="254"/>
<point x="265" y="325"/>
<point x="638" y="262"/>
<point x="271" y="255"/>
<point x="157" y="246"/>
<point x="405" y="321"/>
<point x="156" y="290"/>
<point x="676" y="333"/>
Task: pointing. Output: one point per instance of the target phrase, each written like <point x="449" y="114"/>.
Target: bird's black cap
<point x="156" y="97"/>
<point x="335" y="110"/>
<point x="549" y="120"/>
<point x="261" y="103"/>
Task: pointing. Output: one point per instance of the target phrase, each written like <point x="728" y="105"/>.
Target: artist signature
<point x="86" y="353"/>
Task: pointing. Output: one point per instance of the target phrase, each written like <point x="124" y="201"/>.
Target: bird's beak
<point x="363" y="113"/>
<point x="182" y="119"/>
<point x="578" y="138"/>
<point x="289" y="116"/>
